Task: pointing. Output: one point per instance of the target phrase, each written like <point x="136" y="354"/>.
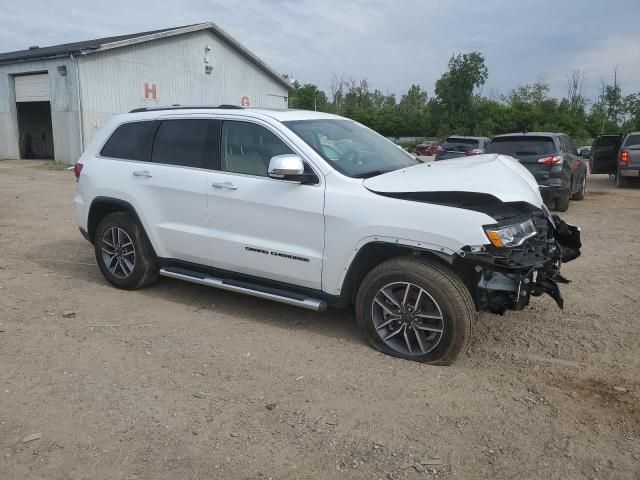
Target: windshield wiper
<point x="370" y="173"/>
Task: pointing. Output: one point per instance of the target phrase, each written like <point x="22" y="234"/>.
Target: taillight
<point x="624" y="157"/>
<point x="554" y="160"/>
<point x="77" y="168"/>
<point x="475" y="151"/>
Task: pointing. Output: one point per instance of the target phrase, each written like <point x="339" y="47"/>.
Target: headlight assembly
<point x="511" y="235"/>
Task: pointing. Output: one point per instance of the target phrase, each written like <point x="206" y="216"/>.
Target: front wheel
<point x="415" y="309"/>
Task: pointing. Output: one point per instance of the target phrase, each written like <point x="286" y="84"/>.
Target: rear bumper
<point x="552" y="188"/>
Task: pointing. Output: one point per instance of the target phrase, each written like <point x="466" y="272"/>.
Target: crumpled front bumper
<point x="568" y="237"/>
<point x="506" y="278"/>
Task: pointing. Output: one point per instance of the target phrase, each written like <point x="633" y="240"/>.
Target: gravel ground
<point x="179" y="381"/>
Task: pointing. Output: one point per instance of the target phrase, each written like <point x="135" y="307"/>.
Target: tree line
<point x="457" y="107"/>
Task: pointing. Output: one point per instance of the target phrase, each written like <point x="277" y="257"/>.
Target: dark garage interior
<point x="35" y="130"/>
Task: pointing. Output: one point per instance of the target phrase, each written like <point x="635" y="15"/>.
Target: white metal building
<point x="54" y="99"/>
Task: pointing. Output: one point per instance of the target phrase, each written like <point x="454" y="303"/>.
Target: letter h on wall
<point x="150" y="91"/>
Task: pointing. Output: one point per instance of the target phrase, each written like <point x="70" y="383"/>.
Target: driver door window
<point x="247" y="148"/>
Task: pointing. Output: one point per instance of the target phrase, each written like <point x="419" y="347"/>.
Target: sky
<point x="392" y="44"/>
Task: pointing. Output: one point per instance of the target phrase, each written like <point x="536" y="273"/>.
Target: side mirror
<point x="288" y="167"/>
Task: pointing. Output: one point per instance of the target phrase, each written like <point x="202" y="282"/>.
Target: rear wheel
<point x="562" y="202"/>
<point x="123" y="252"/>
<point x="415" y="309"/>
<point x="621" y="182"/>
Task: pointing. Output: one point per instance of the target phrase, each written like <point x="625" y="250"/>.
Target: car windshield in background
<point x="350" y="148"/>
<point x="460" y="144"/>
<point x="632" y="140"/>
<point x="519" y="146"/>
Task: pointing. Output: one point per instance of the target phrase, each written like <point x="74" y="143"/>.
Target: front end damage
<point x="506" y="278"/>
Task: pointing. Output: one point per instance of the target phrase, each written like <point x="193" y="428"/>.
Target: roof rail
<point x="186" y="107"/>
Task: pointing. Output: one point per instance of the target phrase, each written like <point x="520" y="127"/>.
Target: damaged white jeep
<point x="315" y="210"/>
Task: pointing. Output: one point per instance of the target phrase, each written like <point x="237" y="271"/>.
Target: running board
<point x="277" y="295"/>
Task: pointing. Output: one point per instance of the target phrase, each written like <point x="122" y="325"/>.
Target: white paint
<point x="32" y="88"/>
<point x="498" y="175"/>
<point x="327" y="223"/>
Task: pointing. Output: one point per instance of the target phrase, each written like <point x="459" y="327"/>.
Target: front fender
<point x="445" y="253"/>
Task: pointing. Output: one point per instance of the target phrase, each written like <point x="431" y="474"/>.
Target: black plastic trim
<point x="186" y="107"/>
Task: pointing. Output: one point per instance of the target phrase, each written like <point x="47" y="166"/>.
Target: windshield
<point x="351" y="148"/>
<point x="516" y="146"/>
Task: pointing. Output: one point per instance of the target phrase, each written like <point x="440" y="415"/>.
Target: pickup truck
<point x="315" y="210"/>
<point x="618" y="155"/>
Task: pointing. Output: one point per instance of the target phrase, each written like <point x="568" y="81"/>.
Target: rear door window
<point x="632" y="140"/>
<point x="518" y="146"/>
<point x="188" y="143"/>
<point x="607" y="142"/>
<point x="130" y="141"/>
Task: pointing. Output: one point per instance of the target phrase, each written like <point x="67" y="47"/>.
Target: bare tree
<point x="575" y="88"/>
<point x="337" y="87"/>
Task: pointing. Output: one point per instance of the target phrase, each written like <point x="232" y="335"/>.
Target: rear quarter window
<point x="129" y="141"/>
<point x="632" y="140"/>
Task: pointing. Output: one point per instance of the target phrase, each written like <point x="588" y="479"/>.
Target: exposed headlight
<point x="511" y="235"/>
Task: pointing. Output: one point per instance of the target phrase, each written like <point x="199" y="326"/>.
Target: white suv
<point x="316" y="210"/>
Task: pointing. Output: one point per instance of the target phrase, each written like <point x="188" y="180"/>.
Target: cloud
<point x="392" y="44"/>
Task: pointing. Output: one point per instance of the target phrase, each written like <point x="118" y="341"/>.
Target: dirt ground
<point x="180" y="381"/>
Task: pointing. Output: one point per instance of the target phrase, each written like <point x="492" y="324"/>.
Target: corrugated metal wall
<point x="113" y="81"/>
<point x="64" y="108"/>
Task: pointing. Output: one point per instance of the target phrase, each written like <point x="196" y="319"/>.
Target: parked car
<point x="455" y="146"/>
<point x="427" y="148"/>
<point x="252" y="201"/>
<point x="553" y="161"/>
<point x="617" y="155"/>
<point x="584" y="151"/>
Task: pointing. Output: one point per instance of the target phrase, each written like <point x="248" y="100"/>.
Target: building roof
<point x="106" y="43"/>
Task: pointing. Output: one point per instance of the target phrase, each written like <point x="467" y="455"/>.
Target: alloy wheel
<point x="118" y="252"/>
<point x="407" y="318"/>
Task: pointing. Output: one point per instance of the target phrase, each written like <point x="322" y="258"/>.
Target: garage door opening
<point x="33" y="105"/>
<point x="35" y="130"/>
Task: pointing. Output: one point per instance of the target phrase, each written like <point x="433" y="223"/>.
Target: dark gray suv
<point x="553" y="160"/>
<point x="459" y="146"/>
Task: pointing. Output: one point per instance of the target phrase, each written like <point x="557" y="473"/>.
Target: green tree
<point x="307" y="97"/>
<point x="454" y="89"/>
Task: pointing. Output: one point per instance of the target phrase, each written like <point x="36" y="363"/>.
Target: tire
<point x="123" y="252"/>
<point x="621" y="182"/>
<point x="438" y="292"/>
<point x="562" y="203"/>
<point x="579" y="195"/>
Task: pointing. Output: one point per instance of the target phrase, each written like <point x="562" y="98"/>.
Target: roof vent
<point x="34" y="47"/>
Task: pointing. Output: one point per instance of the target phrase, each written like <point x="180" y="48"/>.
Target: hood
<point x="492" y="174"/>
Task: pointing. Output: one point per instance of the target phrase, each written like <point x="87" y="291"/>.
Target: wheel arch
<point x="103" y="206"/>
<point x="373" y="253"/>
